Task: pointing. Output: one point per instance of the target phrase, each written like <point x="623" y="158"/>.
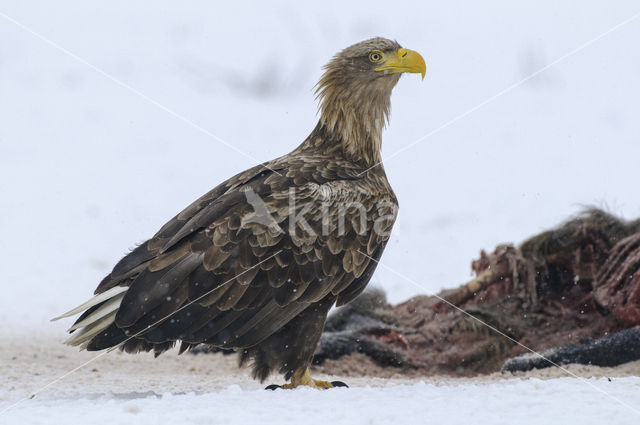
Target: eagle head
<point x="355" y="93"/>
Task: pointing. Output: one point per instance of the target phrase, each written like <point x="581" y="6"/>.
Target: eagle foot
<point x="302" y="378"/>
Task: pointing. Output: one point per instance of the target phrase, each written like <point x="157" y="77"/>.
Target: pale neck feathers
<point x="354" y="109"/>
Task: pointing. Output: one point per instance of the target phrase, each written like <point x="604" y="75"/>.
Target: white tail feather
<point x="85" y="334"/>
<point x="94" y="301"/>
<point x="109" y="306"/>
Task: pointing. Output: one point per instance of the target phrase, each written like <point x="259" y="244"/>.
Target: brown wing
<point x="250" y="255"/>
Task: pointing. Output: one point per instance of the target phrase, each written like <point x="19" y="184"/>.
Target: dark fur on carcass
<point x="363" y="326"/>
<point x="610" y="350"/>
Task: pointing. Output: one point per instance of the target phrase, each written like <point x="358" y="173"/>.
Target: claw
<point x="302" y="377"/>
<point x="272" y="387"/>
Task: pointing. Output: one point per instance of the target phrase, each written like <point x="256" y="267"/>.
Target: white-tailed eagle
<point x="255" y="264"/>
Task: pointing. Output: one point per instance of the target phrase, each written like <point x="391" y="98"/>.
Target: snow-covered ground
<point x="528" y="402"/>
<point x="88" y="168"/>
<point x="208" y="389"/>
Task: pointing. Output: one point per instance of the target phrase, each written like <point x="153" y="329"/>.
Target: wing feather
<point x="151" y="288"/>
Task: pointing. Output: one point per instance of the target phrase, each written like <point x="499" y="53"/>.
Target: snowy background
<point x="88" y="168"/>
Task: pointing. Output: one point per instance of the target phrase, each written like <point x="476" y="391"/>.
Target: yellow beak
<point x="404" y="60"/>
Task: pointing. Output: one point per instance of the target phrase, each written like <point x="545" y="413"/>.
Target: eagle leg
<point x="302" y="377"/>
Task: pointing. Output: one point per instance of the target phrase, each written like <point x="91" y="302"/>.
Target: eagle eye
<point x="375" y="56"/>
